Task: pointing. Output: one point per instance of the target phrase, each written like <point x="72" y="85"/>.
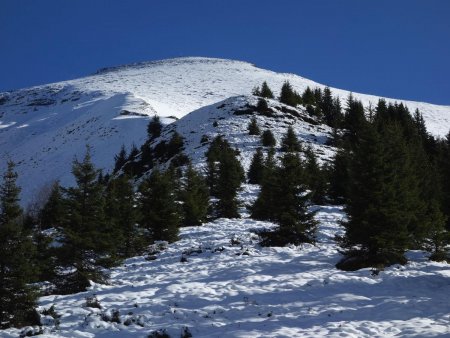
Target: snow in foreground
<point x="231" y="287"/>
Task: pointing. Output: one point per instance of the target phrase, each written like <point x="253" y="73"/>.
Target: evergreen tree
<point x="160" y="213"/>
<point x="290" y="143"/>
<point x="255" y="172"/>
<point x="120" y="159"/>
<point x="17" y="298"/>
<point x="195" y="198"/>
<point x="327" y="107"/>
<point x="266" y="91"/>
<point x="308" y="97"/>
<point x="175" y="145"/>
<point x="253" y="128"/>
<point x="265" y="206"/>
<point x="52" y="214"/>
<point x="354" y="120"/>
<point x="225" y="175"/>
<point x="122" y="214"/>
<point x="289" y="96"/>
<point x="289" y="204"/>
<point x="267" y="139"/>
<point x="262" y="107"/>
<point x="315" y="178"/>
<point x="86" y="239"/>
<point x="154" y="128"/>
<point x="339" y="176"/>
<point x="382" y="202"/>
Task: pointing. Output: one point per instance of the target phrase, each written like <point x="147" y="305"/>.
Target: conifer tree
<point x="265" y="206"/>
<point x="154" y="128"/>
<point x="255" y="172"/>
<point x="354" y="120"/>
<point x="253" y="128"/>
<point x="266" y="91"/>
<point x="122" y="214"/>
<point x="160" y="213"/>
<point x="289" y="96"/>
<point x="52" y="214"/>
<point x="315" y="178"/>
<point x="120" y="159"/>
<point x="86" y="238"/>
<point x="225" y="175"/>
<point x="308" y="97"/>
<point x="175" y="145"/>
<point x="262" y="107"/>
<point x="195" y="198"/>
<point x="290" y="205"/>
<point x="290" y="143"/>
<point x="383" y="197"/>
<point x="267" y="139"/>
<point x="17" y="298"/>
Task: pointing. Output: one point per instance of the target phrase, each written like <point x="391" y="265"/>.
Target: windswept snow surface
<point x="43" y="128"/>
<point x="229" y="286"/>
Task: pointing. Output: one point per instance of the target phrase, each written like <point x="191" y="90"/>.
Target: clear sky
<point x="394" y="48"/>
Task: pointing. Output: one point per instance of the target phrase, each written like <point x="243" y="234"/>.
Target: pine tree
<point x="255" y="172"/>
<point x="175" y="145"/>
<point x="120" y="159"/>
<point x="265" y="205"/>
<point x="308" y="97"/>
<point x="339" y="176"/>
<point x="315" y="178"/>
<point x="86" y="237"/>
<point x="154" y="128"/>
<point x="160" y="212"/>
<point x="253" y="128"/>
<point x="289" y="96"/>
<point x="267" y="139"/>
<point x="17" y="298"/>
<point x="52" y="214"/>
<point x="266" y="91"/>
<point x="290" y="142"/>
<point x="195" y="198"/>
<point x="383" y="197"/>
<point x="283" y="199"/>
<point x="225" y="175"/>
<point x="122" y="214"/>
<point x="327" y="107"/>
<point x="354" y="120"/>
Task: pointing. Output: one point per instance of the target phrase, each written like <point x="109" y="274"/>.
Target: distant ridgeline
<point x="388" y="171"/>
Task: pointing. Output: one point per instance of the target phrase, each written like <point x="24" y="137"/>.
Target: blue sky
<point x="394" y="48"/>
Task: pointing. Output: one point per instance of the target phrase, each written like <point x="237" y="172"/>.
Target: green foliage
<point x="255" y="172"/>
<point x="194" y="197"/>
<point x="315" y="178"/>
<point x="283" y="199"/>
<point x="290" y="143"/>
<point x="383" y="196"/>
<point x="122" y="214"/>
<point x="267" y="139"/>
<point x="86" y="237"/>
<point x="120" y="159"/>
<point x="154" y="128"/>
<point x="253" y="128"/>
<point x="160" y="213"/>
<point x="17" y="298"/>
<point x="52" y="214"/>
<point x="225" y="175"/>
<point x="266" y="91"/>
<point x="289" y="96"/>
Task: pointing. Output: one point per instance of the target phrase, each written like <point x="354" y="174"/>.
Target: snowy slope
<point x="238" y="289"/>
<point x="42" y="128"/>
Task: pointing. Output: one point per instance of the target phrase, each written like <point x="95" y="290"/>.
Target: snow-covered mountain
<point x="43" y="128"/>
<point x="216" y="281"/>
